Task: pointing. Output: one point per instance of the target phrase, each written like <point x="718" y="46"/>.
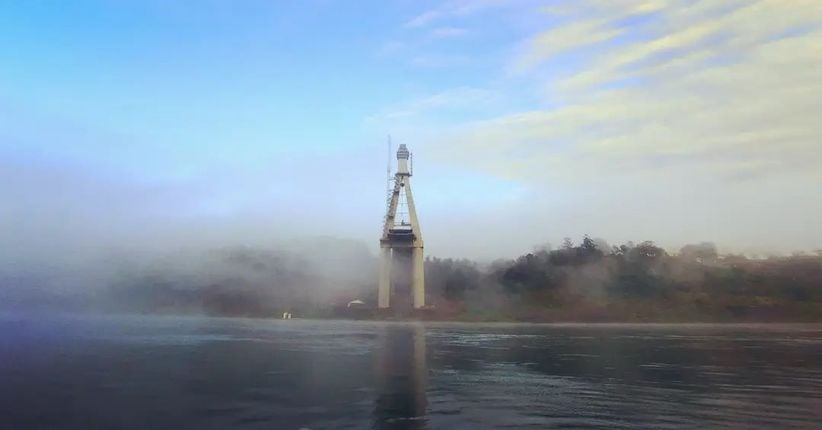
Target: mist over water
<point x="177" y="176"/>
<point x="224" y="280"/>
<point x="164" y="372"/>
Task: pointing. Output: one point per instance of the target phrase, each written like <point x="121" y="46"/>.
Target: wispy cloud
<point x="723" y="88"/>
<point x="651" y="114"/>
<point x="448" y="32"/>
<point x="424" y="18"/>
<point x="461" y="98"/>
<point x="544" y="46"/>
<point x="453" y="8"/>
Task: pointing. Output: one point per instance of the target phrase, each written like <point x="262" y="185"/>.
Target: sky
<point x="159" y="124"/>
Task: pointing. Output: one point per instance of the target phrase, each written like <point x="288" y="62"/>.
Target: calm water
<point x="200" y="373"/>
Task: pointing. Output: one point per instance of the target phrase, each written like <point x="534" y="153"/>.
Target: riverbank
<point x="615" y="313"/>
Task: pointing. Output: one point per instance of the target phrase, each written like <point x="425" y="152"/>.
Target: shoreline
<point x="394" y="319"/>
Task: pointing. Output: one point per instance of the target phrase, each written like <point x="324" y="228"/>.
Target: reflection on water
<point x="402" y="377"/>
<point x="173" y="373"/>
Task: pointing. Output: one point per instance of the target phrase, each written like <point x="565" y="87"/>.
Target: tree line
<point x="591" y="281"/>
<point x="585" y="281"/>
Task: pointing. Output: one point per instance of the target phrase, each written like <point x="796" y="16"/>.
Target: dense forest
<point x="588" y="281"/>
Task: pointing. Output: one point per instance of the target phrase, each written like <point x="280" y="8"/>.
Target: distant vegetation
<point x="632" y="282"/>
<point x="588" y="281"/>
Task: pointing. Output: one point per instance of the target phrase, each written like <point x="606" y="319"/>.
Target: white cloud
<point x="545" y="45"/>
<point x="750" y="95"/>
<point x="705" y="105"/>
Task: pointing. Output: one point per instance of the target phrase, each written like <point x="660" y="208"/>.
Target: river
<point x="72" y="372"/>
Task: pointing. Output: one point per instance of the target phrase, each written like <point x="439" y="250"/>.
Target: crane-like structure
<point x="401" y="236"/>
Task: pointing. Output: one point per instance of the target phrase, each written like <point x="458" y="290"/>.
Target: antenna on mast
<point x="388" y="176"/>
<point x="388" y="165"/>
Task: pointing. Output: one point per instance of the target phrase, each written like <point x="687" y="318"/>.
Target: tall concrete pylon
<point x="402" y="237"/>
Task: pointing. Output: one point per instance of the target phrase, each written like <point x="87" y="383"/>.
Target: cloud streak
<point x="730" y="90"/>
<point x="451" y="9"/>
<point x="665" y="98"/>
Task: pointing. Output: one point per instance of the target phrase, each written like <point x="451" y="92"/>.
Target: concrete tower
<point x="401" y="237"/>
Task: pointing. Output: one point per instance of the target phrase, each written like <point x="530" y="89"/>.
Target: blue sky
<point x="214" y="79"/>
<point x="190" y="79"/>
<point x="675" y="121"/>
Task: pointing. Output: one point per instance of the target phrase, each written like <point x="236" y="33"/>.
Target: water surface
<point x="210" y="373"/>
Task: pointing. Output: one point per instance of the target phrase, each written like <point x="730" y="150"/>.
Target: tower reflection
<point x="402" y="378"/>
